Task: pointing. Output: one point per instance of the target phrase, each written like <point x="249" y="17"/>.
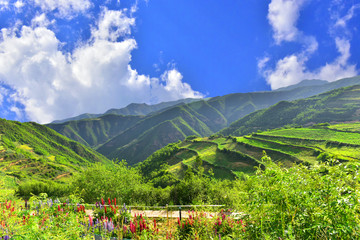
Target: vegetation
<point x="298" y="180"/>
<point x="289" y="203"/>
<point x="39" y="158"/>
<point x="339" y="105"/>
<point x="122" y="136"/>
<point x="231" y="157"/>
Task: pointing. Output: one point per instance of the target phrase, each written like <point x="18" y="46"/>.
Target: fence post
<point x="167" y="214"/>
<point x="180" y="213"/>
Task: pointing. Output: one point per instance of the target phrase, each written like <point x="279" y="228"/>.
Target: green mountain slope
<point x="202" y="118"/>
<point x="137" y="109"/>
<point x="338" y="105"/>
<point x="33" y="151"/>
<point x="95" y="131"/>
<point x="155" y="132"/>
<point x="228" y="157"/>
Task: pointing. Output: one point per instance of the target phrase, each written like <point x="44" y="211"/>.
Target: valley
<point x="256" y="153"/>
<point x="121" y="136"/>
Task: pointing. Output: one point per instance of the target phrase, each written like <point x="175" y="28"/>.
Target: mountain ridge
<point x="202" y="117"/>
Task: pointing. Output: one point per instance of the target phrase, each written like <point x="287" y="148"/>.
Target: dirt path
<point x="170" y="214"/>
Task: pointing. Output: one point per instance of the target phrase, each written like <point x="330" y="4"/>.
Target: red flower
<point x="105" y="209"/>
<point x="91" y="221"/>
<point x="109" y="201"/>
<point x="102" y="201"/>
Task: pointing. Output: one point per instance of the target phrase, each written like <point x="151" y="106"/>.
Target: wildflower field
<point x="301" y="202"/>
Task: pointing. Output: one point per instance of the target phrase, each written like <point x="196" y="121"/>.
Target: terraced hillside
<point x="135" y="141"/>
<point x="32" y="151"/>
<point x="339" y="105"/>
<point x="229" y="157"/>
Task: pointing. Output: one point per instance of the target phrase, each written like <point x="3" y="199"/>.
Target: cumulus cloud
<point x="283" y="16"/>
<point x="113" y="24"/>
<point x="292" y="69"/>
<point x="95" y="77"/>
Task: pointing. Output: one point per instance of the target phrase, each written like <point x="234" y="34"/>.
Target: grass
<point x="349" y="127"/>
<point x="317" y="134"/>
<point x="229" y="155"/>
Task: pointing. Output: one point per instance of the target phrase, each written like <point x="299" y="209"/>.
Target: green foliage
<point x="54" y="190"/>
<point x="304" y="202"/>
<point x="339" y="105"/>
<point x="123" y="137"/>
<point x="200" y="226"/>
<point x="324" y="156"/>
<point x="116" y="181"/>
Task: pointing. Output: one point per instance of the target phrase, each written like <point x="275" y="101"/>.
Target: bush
<point x="27" y="189"/>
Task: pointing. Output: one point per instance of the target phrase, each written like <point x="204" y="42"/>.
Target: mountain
<point x="95" y="131"/>
<point x="231" y="157"/>
<point x="304" y="83"/>
<point x="137" y="109"/>
<point x="339" y="105"/>
<point x="33" y="151"/>
<point x="202" y="118"/>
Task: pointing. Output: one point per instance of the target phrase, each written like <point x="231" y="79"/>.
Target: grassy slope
<point x="33" y="151"/>
<point x="154" y="133"/>
<point x="96" y="131"/>
<point x="201" y="118"/>
<point x="229" y="156"/>
<point x="135" y="109"/>
<point x="339" y="105"/>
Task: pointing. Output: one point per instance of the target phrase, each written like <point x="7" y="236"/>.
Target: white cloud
<point x="262" y="62"/>
<point x="19" y="4"/>
<point x="342" y="21"/>
<point x="292" y="69"/>
<point x="4" y="4"/>
<point x="97" y="76"/>
<point x="175" y="88"/>
<point x="66" y="8"/>
<point x="112" y="25"/>
<point x="2" y="93"/>
<point x="41" y="21"/>
<point x="283" y="16"/>
<point x="339" y="68"/>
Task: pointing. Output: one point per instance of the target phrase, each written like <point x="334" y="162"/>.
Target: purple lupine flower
<point x="50" y="202"/>
<point x="6" y="237"/>
<point x="105" y="225"/>
<point x="110" y="226"/>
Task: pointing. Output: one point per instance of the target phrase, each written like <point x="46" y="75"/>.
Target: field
<point x="288" y="183"/>
<point x="230" y="157"/>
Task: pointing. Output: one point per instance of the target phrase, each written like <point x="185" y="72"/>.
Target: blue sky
<point x="62" y="58"/>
